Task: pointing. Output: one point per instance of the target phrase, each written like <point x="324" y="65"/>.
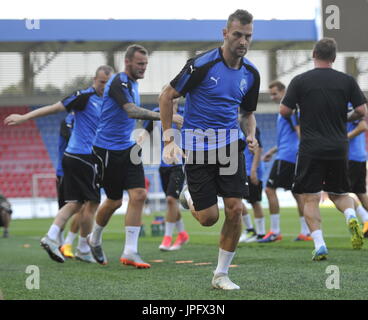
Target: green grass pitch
<point x="281" y="270"/>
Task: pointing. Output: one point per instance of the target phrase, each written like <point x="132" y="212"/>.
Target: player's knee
<point x="138" y="195"/>
<point x="171" y="201"/>
<point x="114" y="204"/>
<point x="208" y="221"/>
<point x="270" y="191"/>
<point x="234" y="213"/>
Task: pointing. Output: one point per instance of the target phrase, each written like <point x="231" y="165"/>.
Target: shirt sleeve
<point x="190" y="77"/>
<point x="76" y="101"/>
<point x="291" y="97"/>
<point x="120" y="91"/>
<point x="357" y="97"/>
<point x="250" y="100"/>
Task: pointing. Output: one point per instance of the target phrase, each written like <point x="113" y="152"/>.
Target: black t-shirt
<point x="322" y="95"/>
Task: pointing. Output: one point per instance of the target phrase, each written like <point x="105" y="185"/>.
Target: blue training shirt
<point x="213" y="93"/>
<point x="150" y="125"/>
<point x="287" y="138"/>
<point x="86" y="105"/>
<point x="115" y="128"/>
<point x="66" y="128"/>
<point x="357" y="151"/>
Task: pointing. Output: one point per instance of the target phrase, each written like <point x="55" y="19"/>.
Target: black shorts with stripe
<point x="208" y="179"/>
<point x="255" y="192"/>
<point x="81" y="179"/>
<point x="357" y="176"/>
<point x="316" y="175"/>
<point x="281" y="175"/>
<point x="172" y="180"/>
<point x="118" y="170"/>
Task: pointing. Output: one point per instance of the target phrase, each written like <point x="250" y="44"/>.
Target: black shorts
<point x="118" y="172"/>
<point x="172" y="180"/>
<point x="281" y="175"/>
<point x="60" y="191"/>
<point x="314" y="175"/>
<point x="206" y="182"/>
<point x="357" y="176"/>
<point x="255" y="192"/>
<point x="81" y="181"/>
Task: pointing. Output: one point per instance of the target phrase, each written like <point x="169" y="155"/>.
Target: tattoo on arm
<point x="136" y="112"/>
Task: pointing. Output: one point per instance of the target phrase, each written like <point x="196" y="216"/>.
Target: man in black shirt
<point x="322" y="95"/>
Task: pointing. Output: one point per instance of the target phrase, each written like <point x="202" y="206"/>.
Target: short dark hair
<point x="106" y="69"/>
<point x="241" y="15"/>
<point x="132" y="49"/>
<point x="278" y="84"/>
<point x="325" y="49"/>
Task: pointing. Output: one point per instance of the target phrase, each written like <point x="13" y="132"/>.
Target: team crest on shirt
<point x="243" y="85"/>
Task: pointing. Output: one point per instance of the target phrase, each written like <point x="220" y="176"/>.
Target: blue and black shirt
<point x="214" y="92"/>
<point x="86" y="105"/>
<point x="115" y="129"/>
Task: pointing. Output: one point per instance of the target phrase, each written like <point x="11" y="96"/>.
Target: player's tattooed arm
<point x="136" y="112"/>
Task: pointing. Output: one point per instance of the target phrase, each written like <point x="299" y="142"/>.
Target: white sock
<point x="260" y="226"/>
<point x="275" y="223"/>
<point x="247" y="220"/>
<point x="363" y="214"/>
<point x="303" y="226"/>
<point x="180" y="225"/>
<point x="83" y="245"/>
<point x="131" y="239"/>
<point x="96" y="235"/>
<point x="70" y="238"/>
<point x="318" y="239"/>
<point x="53" y="232"/>
<point x="169" y="228"/>
<point x="348" y="213"/>
<point x="224" y="261"/>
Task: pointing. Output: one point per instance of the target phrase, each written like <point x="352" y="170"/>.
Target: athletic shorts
<point x="206" y="182"/>
<point x="281" y="175"/>
<point x="81" y="178"/>
<point x="60" y="190"/>
<point x="118" y="172"/>
<point x="172" y="180"/>
<point x="357" y="176"/>
<point x="314" y="175"/>
<point x="255" y="192"/>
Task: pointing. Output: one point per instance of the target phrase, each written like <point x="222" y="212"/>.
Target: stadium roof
<point x="15" y="36"/>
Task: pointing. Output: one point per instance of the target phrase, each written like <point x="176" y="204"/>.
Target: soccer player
<point x="66" y="128"/>
<point x="357" y="168"/>
<point x="80" y="174"/>
<point x="215" y="84"/>
<point x="283" y="168"/>
<point x="172" y="180"/>
<point x="254" y="167"/>
<point x="5" y="215"/>
<point x="322" y="95"/>
<point x="119" y="156"/>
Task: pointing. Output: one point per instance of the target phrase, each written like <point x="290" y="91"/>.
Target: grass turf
<point x="281" y="270"/>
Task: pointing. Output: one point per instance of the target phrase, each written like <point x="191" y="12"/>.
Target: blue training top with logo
<point x="115" y="128"/>
<point x="357" y="151"/>
<point x="213" y="93"/>
<point x="86" y="105"/>
<point x="287" y="138"/>
<point x="64" y="137"/>
<point x="150" y="125"/>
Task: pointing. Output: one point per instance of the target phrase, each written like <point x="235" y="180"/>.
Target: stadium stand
<point x="23" y="156"/>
